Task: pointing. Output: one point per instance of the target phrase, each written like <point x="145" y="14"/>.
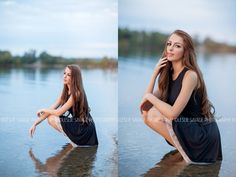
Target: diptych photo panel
<point x="117" y="88"/>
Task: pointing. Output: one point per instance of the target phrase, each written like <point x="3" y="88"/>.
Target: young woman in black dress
<point x="70" y="114"/>
<point x="179" y="109"/>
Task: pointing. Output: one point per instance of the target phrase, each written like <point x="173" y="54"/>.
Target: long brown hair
<point x="80" y="106"/>
<point x="189" y="61"/>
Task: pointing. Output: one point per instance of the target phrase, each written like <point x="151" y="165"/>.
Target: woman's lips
<point x="170" y="54"/>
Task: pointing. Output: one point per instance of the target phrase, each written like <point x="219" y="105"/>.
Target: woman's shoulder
<point x="191" y="77"/>
<point x="191" y="74"/>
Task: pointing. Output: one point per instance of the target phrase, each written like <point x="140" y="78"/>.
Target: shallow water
<point x="141" y="150"/>
<point x="23" y="92"/>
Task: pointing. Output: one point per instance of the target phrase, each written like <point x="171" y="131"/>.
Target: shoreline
<point x="107" y="65"/>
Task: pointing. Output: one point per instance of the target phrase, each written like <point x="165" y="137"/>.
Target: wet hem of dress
<point x="176" y="141"/>
<point x="178" y="145"/>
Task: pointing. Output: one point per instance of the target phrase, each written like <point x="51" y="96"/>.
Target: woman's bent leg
<point x="155" y="120"/>
<point x="54" y="122"/>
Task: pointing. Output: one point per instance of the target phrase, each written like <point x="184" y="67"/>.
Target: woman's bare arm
<point x="161" y="63"/>
<point x="60" y="110"/>
<point x="56" y="104"/>
<point x="172" y="112"/>
<point x="41" y="117"/>
<point x="145" y="104"/>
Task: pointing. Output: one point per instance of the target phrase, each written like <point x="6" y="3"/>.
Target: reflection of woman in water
<point x="78" y="124"/>
<point x="179" y="109"/>
<point x="67" y="162"/>
<point x="172" y="165"/>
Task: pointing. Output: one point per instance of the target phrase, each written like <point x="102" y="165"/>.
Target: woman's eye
<point x="178" y="46"/>
<point x="168" y="43"/>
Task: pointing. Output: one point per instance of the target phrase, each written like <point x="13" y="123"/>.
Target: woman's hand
<point x="32" y="130"/>
<point x="145" y="105"/>
<point x="147" y="102"/>
<point x="42" y="115"/>
<point x="141" y="105"/>
<point x="161" y="63"/>
<point x="41" y="112"/>
<point x="150" y="97"/>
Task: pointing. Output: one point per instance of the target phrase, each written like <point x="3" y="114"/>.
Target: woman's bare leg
<point x="52" y="120"/>
<point x="155" y="120"/>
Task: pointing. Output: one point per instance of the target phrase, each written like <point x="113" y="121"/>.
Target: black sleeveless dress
<point x="82" y="134"/>
<point x="199" y="138"/>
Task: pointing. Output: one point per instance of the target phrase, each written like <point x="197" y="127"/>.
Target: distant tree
<point x="46" y="58"/>
<point x="5" y="58"/>
<point x="29" y="57"/>
<point x="140" y="42"/>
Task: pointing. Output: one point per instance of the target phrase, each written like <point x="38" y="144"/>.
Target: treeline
<point x="211" y="46"/>
<point x="140" y="42"/>
<point x="44" y="59"/>
<point x="133" y="42"/>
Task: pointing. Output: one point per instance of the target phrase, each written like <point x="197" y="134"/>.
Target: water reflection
<point x="173" y="165"/>
<point x="67" y="162"/>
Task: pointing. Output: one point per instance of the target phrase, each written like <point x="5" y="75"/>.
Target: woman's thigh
<point x="156" y="121"/>
<point x="54" y="121"/>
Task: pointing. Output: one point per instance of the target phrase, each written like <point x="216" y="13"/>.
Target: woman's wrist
<point x="156" y="72"/>
<point x="154" y="75"/>
<point x="150" y="97"/>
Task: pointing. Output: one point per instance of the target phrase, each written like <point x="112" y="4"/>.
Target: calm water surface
<point x="142" y="152"/>
<point x="23" y="92"/>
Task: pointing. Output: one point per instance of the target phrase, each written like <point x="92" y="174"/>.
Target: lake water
<point x="22" y="93"/>
<point x="142" y="152"/>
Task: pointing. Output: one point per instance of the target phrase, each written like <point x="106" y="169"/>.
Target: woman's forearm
<point x="162" y="63"/>
<point x="164" y="108"/>
<point x="41" y="118"/>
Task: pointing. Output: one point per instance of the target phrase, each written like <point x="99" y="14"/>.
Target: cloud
<point x="205" y="18"/>
<point x="60" y="24"/>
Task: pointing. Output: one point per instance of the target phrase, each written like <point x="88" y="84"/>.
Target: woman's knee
<point x="52" y="121"/>
<point x="153" y="116"/>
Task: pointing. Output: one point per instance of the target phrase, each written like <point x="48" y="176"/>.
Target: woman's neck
<point x="177" y="67"/>
<point x="68" y="86"/>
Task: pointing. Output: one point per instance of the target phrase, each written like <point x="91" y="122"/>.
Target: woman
<point x="179" y="109"/>
<point x="70" y="114"/>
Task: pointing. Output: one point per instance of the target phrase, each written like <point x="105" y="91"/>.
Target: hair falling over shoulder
<point x="189" y="61"/>
<point x="80" y="107"/>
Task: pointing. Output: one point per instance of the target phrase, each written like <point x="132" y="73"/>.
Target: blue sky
<point x="214" y="18"/>
<point x="70" y="28"/>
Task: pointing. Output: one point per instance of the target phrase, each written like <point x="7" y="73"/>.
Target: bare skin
<point x="54" y="111"/>
<point x="161" y="110"/>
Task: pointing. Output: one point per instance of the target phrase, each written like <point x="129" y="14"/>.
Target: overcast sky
<point x="70" y="28"/>
<point x="214" y="18"/>
<point x="78" y="28"/>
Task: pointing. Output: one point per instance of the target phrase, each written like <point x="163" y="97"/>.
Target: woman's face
<point x="175" y="48"/>
<point x="67" y="76"/>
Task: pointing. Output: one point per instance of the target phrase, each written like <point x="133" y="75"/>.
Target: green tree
<point x="29" y="57"/>
<point x="5" y="58"/>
